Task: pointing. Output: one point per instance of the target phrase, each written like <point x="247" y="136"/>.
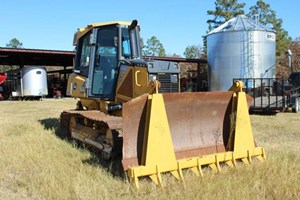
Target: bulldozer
<point x="132" y="108"/>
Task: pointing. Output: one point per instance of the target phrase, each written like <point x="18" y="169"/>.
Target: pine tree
<point x="224" y="10"/>
<point x="193" y="51"/>
<point x="14" y="43"/>
<point x="266" y="16"/>
<point x="154" y="48"/>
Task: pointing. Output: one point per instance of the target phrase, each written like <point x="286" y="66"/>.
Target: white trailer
<point x="28" y="83"/>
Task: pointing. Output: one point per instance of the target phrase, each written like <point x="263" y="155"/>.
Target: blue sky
<point x="51" y="24"/>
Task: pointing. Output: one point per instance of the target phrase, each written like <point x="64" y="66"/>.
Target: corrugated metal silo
<point x="240" y="48"/>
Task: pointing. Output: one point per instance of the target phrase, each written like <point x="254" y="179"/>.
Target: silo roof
<point x="241" y="23"/>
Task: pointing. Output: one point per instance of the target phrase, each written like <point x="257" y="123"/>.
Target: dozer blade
<point x="197" y="122"/>
<point x="171" y="132"/>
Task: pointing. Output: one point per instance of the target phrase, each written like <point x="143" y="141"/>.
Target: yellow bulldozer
<point x="132" y="108"/>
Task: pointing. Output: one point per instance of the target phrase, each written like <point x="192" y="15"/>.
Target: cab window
<point x="126" y="52"/>
<point x="83" y="59"/>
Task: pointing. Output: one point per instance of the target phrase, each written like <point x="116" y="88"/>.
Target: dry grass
<point x="36" y="164"/>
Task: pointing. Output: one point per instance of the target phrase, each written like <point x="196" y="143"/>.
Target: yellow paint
<point x="158" y="134"/>
<point x="194" y="163"/>
<point x="75" y="87"/>
<point x="141" y="85"/>
<point x="89" y="27"/>
<point x="243" y="139"/>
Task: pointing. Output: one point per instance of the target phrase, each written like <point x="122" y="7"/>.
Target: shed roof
<point x="22" y="56"/>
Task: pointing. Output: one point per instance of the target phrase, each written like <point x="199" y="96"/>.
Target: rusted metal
<point x="92" y="118"/>
<point x="199" y="124"/>
<point x="134" y="117"/>
<point x="114" y="123"/>
<point x="196" y="122"/>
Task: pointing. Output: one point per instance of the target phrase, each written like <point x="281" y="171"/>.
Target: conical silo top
<point x="240" y="23"/>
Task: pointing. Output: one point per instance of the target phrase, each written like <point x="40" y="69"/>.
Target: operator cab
<point x="100" y="49"/>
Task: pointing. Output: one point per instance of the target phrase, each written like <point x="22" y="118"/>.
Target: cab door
<point x="104" y="70"/>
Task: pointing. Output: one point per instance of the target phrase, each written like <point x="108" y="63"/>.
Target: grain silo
<point x="240" y="48"/>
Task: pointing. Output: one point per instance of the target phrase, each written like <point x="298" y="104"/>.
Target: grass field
<point x="36" y="164"/>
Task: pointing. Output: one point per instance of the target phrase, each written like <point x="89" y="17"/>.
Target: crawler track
<point x="113" y="122"/>
<point x="90" y="119"/>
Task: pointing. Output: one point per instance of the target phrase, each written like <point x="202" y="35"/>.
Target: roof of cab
<point x="82" y="31"/>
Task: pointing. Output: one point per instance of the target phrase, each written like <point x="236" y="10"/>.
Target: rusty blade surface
<point x="134" y="116"/>
<point x="199" y="124"/>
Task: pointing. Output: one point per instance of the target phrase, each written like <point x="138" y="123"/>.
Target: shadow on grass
<point x="53" y="124"/>
<point x="113" y="166"/>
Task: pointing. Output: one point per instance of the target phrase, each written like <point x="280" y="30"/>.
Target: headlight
<point x="152" y="77"/>
<point x="174" y="78"/>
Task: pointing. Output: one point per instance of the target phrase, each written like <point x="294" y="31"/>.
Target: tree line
<point x="225" y="10"/>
